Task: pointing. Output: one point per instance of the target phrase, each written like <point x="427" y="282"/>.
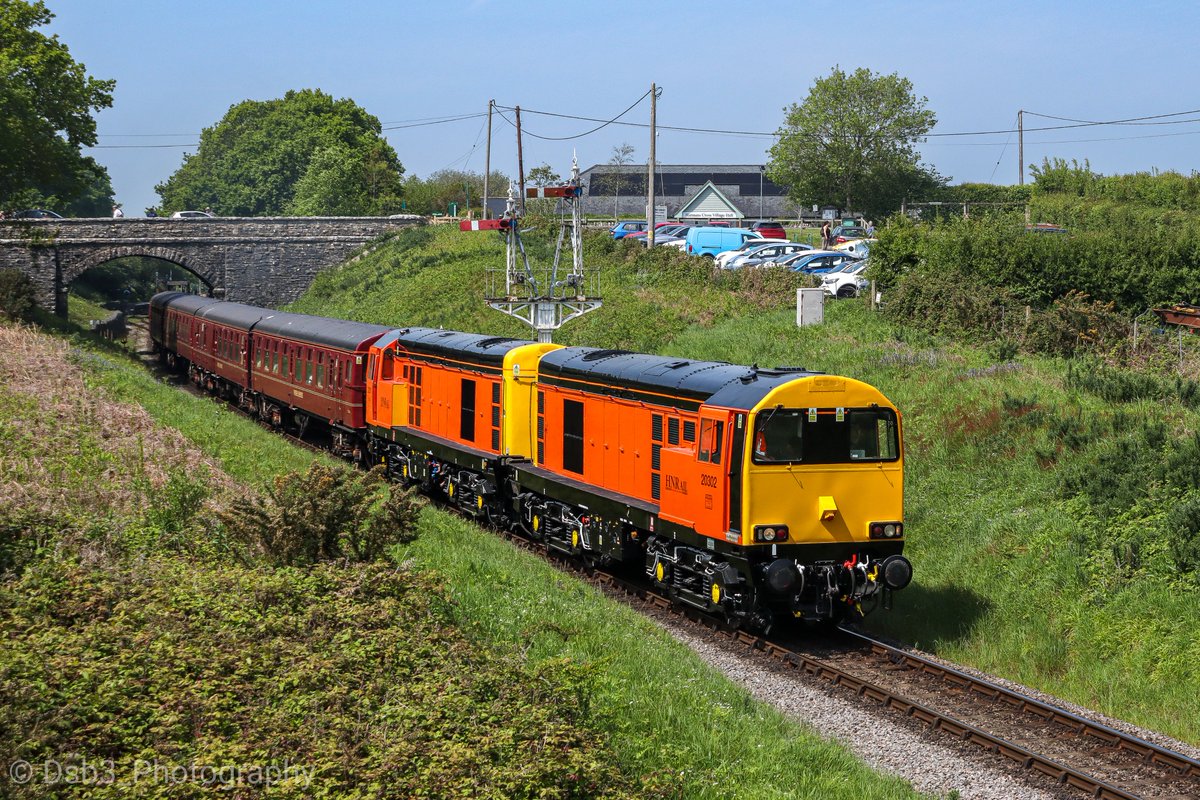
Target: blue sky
<point x="179" y="66"/>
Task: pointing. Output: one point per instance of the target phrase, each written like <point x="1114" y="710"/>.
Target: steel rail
<point x="1155" y="754"/>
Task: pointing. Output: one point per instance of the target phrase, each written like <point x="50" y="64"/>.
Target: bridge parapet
<point x="263" y="260"/>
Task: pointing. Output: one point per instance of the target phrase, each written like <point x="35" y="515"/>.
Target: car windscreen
<point x="825" y="436"/>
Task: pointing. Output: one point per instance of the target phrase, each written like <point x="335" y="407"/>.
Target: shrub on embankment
<point x="170" y="655"/>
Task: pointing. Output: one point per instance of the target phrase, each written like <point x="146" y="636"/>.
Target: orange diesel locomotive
<point x="754" y="493"/>
<point x="759" y="494"/>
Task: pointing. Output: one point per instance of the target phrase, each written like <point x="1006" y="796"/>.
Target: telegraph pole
<point x="1021" y="148"/>
<point x="520" y="163"/>
<point x="650" y="171"/>
<point x="487" y="160"/>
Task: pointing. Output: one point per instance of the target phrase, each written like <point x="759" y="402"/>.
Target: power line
<point x="1003" y="150"/>
<point x="1068" y="141"/>
<point x="440" y="121"/>
<point x="133" y="146"/>
<point x="604" y="123"/>
<point x="1131" y="121"/>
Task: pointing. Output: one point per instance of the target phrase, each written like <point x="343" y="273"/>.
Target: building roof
<point x="709" y="202"/>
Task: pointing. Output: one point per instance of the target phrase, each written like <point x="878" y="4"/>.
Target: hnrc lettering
<point x="676" y="484"/>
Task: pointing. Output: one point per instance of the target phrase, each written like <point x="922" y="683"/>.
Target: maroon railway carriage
<point x="288" y="368"/>
<point x="211" y="337"/>
<point x="306" y="367"/>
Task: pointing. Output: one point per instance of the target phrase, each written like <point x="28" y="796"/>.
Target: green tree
<point x="852" y="142"/>
<point x="435" y="193"/>
<point x="543" y="175"/>
<point x="340" y="181"/>
<point x="46" y="104"/>
<point x="252" y="161"/>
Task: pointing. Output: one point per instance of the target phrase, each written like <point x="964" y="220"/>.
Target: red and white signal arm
<point x="483" y="224"/>
<point x="532" y="192"/>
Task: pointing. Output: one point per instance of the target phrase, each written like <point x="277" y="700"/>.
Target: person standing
<point x="117" y="212"/>
<point x="826" y="236"/>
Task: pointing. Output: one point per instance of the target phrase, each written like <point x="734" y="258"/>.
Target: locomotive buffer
<point x="540" y="297"/>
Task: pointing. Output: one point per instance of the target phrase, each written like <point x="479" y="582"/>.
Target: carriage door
<point x="711" y="513"/>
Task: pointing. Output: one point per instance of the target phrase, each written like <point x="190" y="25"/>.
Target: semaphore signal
<point x="540" y="297"/>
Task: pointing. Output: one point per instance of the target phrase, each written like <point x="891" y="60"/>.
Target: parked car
<point x="749" y="244"/>
<point x="768" y="229"/>
<point x="710" y="240"/>
<point x="847" y="281"/>
<point x="755" y="256"/>
<point x="661" y="230"/>
<point x="626" y="227"/>
<point x="36" y="213"/>
<point x="844" y="233"/>
<point x="817" y="262"/>
<point x="856" y="247"/>
<point x="190" y="214"/>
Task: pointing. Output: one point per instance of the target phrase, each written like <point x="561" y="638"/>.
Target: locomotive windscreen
<point x="825" y="436"/>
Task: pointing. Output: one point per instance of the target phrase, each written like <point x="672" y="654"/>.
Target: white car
<point x="767" y="254"/>
<point x="856" y="247"/>
<point x="723" y="259"/>
<point x="189" y="214"/>
<point x="847" y="281"/>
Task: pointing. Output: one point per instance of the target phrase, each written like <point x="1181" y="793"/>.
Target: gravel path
<point x="931" y="762"/>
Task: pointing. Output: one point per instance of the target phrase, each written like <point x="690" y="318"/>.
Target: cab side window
<point x="711" y="434"/>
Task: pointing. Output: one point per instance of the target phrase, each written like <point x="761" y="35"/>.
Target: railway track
<point x="1055" y="744"/>
<point x="1063" y="747"/>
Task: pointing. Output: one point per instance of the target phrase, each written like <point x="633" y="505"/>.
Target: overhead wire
<point x="1071" y="122"/>
<point x="1003" y="150"/>
<point x="603" y="123"/>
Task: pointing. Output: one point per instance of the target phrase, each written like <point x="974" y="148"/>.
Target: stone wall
<point x="266" y="261"/>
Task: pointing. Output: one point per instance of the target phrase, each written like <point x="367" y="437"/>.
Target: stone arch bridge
<point x="266" y="261"/>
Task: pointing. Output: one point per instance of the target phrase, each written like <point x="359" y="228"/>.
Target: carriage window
<point x="320" y="375"/>
<point x="712" y="432"/>
<point x="825" y="436"/>
<point x="308" y="370"/>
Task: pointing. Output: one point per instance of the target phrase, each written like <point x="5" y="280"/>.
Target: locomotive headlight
<point x="886" y="530"/>
<point x="770" y="533"/>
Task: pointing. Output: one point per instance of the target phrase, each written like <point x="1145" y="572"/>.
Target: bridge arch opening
<point x="108" y="296"/>
<point x="124" y="278"/>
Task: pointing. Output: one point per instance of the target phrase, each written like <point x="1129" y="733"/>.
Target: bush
<point x="327" y="513"/>
<point x="1183" y="532"/>
<point x="17" y="295"/>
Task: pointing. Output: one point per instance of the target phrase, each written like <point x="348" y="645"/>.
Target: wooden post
<point x="650" y="173"/>
<point x="487" y="161"/>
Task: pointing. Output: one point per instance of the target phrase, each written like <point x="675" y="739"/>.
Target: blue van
<point x="710" y="240"/>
